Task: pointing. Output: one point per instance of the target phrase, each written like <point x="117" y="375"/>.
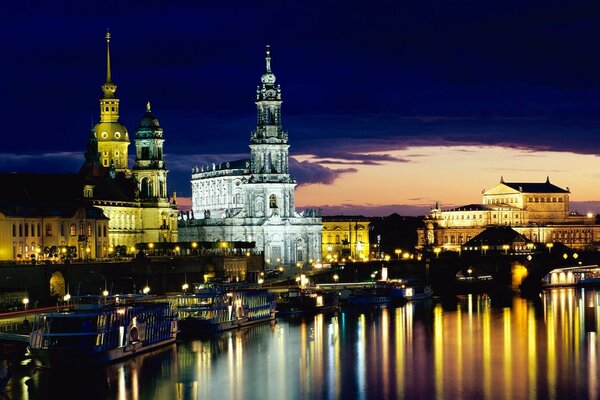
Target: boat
<point x="306" y="301"/>
<point x="572" y="276"/>
<point x="369" y="296"/>
<point x="415" y="293"/>
<point x="99" y="330"/>
<point x="220" y="308"/>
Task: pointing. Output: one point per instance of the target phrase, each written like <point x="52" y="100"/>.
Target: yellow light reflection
<point x="438" y="351"/>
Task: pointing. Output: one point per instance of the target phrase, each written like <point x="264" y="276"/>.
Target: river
<point x="472" y="347"/>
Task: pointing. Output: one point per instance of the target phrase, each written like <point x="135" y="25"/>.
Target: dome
<point x="149" y="121"/>
<point x="268" y="78"/>
<point x="111" y="131"/>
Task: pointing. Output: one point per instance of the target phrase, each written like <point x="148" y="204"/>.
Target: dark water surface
<point x="471" y="347"/>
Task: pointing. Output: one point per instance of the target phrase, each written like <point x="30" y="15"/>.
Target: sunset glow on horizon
<point x="453" y="176"/>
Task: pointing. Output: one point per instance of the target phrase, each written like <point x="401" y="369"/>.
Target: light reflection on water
<point x="472" y="347"/>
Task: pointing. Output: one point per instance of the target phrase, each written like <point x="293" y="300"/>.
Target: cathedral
<point x="252" y="200"/>
<point x="106" y="208"/>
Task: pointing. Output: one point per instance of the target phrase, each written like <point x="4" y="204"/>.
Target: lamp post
<point x="437" y="251"/>
<point x="398" y="252"/>
<point x="25" y="302"/>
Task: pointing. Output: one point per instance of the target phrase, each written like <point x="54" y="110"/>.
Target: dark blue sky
<point x="357" y="76"/>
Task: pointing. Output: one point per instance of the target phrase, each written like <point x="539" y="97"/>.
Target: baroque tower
<point x="113" y="138"/>
<point x="273" y="192"/>
<point x="149" y="170"/>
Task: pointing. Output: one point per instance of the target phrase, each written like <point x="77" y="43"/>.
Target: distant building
<point x="538" y="211"/>
<point x="345" y="237"/>
<point x="253" y="199"/>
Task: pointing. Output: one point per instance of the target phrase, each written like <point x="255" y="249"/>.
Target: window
<point x="89" y="229"/>
<point x="145" y="153"/>
<point x="39" y="229"/>
<point x="14" y="230"/>
<point x="81" y="228"/>
<point x="62" y="229"/>
<point x="272" y="201"/>
<point x="48" y="229"/>
<point x="73" y="230"/>
<point x="337" y="239"/>
<point x="26" y="229"/>
<point x="104" y="230"/>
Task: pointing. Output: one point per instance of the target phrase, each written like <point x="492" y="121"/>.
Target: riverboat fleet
<point x="99" y="330"/>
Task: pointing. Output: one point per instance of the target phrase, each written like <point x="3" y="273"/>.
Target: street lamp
<point x="505" y="247"/>
<point x="146" y="290"/>
<point x="398" y="252"/>
<point x="25" y="302"/>
<point x="185" y="286"/>
<point x="437" y="251"/>
<point x="549" y="246"/>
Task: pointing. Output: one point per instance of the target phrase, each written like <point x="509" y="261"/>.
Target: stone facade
<point x="253" y="200"/>
<point x="538" y="211"/>
<point x="345" y="238"/>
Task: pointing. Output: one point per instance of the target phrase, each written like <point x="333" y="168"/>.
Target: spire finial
<point x="501" y="179"/>
<point x="268" y="58"/>
<point x="548" y="179"/>
<point x="108" y="77"/>
<point x="148" y="107"/>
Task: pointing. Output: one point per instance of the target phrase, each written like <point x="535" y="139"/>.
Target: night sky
<point x="361" y="81"/>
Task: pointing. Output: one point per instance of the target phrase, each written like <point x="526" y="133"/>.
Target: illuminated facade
<point x="345" y="238"/>
<point x="253" y="200"/>
<point x="105" y="205"/>
<point x="135" y="200"/>
<point x="538" y="211"/>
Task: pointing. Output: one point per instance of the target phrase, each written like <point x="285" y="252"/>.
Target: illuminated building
<point x="135" y="201"/>
<point x="538" y="211"/>
<point x="345" y="237"/>
<point x="253" y="199"/>
<point x="104" y="207"/>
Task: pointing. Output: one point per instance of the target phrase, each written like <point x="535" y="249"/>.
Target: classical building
<point x="103" y="208"/>
<point x="345" y="237"/>
<point x="253" y="199"/>
<point x="538" y="211"/>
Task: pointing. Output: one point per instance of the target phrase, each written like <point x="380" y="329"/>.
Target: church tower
<point x="113" y="138"/>
<point x="269" y="166"/>
<point x="149" y="170"/>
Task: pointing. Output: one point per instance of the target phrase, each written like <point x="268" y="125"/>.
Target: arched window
<point x="73" y="230"/>
<point x="272" y="201"/>
<point x="89" y="229"/>
<point x="81" y="228"/>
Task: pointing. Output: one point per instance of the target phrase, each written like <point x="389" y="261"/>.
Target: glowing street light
<point x="549" y="246"/>
<point x="67" y="297"/>
<point x="25" y="302"/>
<point x="146" y="290"/>
<point x="505" y="247"/>
<point x="398" y="252"/>
<point x="184" y="287"/>
<point x="105" y="293"/>
<point x="437" y="251"/>
<point x="336" y="277"/>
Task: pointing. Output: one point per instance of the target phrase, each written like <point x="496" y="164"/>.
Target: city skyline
<point x="388" y="108"/>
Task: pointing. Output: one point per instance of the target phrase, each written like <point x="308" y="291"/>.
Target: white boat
<point x="99" y="330"/>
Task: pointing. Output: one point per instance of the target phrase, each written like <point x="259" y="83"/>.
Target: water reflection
<point x="474" y="346"/>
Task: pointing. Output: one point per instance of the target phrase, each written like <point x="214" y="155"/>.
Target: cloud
<point x="306" y="172"/>
<point x="373" y="210"/>
<point x="45" y="162"/>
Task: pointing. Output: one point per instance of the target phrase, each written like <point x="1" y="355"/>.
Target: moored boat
<point x="306" y="301"/>
<point x="99" y="330"/>
<point x="221" y="308"/>
<point x="370" y="296"/>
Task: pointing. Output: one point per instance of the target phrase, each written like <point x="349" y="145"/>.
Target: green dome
<point x="149" y="121"/>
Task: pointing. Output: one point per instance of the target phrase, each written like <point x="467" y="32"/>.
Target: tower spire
<point x="108" y="77"/>
<point x="268" y="59"/>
